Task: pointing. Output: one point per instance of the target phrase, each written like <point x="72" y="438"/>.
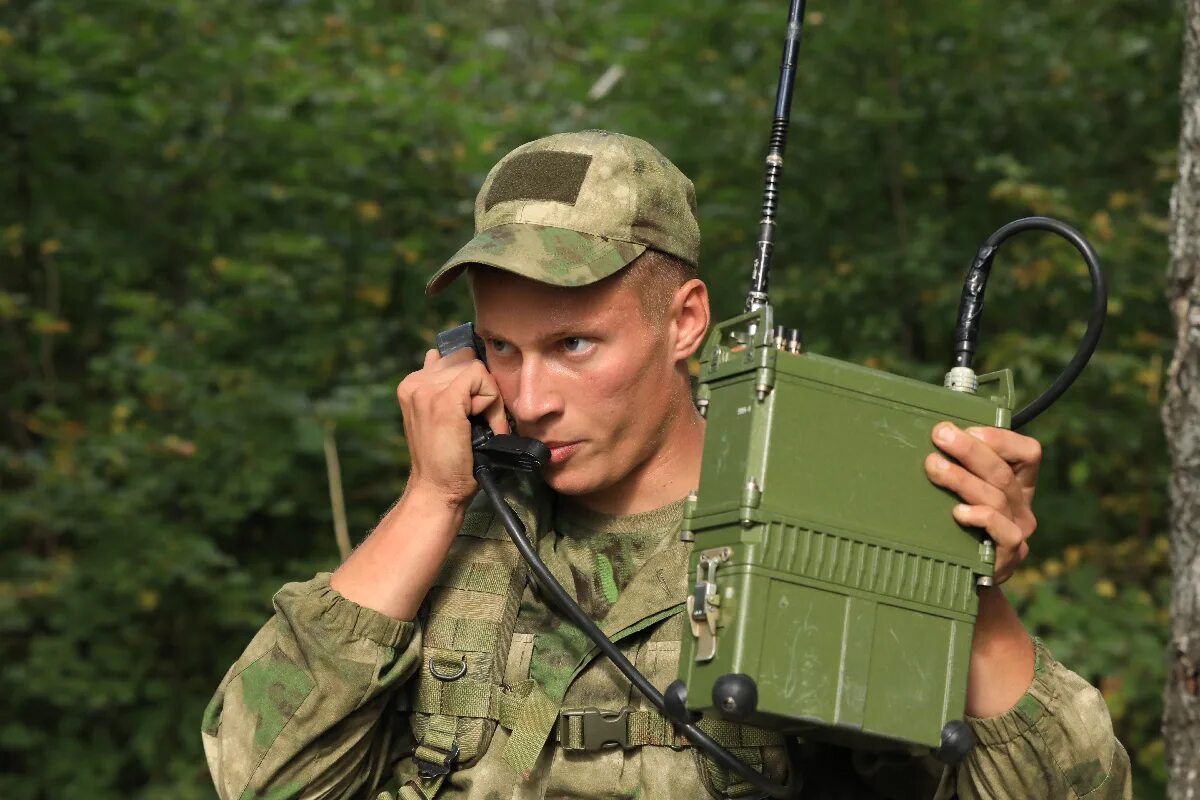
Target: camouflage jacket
<point x="333" y="700"/>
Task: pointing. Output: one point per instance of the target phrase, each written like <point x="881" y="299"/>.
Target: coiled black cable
<point x="970" y="308"/>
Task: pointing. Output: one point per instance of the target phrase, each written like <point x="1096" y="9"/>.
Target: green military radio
<point x="833" y="595"/>
<point x="826" y="564"/>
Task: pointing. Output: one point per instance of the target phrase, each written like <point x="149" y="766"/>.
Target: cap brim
<point x="557" y="256"/>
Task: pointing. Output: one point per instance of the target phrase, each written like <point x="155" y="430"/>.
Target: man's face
<point x="581" y="369"/>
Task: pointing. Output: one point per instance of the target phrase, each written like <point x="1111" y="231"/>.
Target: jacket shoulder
<point x="526" y="494"/>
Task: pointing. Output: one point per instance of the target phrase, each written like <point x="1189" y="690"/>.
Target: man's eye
<point x="576" y="344"/>
<point x="499" y="346"/>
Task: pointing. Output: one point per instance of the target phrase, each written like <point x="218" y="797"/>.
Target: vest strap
<point x="468" y="624"/>
<point x="438" y="750"/>
<point x="418" y="790"/>
<point x="590" y="729"/>
<point x="530" y="718"/>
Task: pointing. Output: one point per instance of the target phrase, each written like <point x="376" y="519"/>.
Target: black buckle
<point x="432" y="769"/>
<point x="601" y="729"/>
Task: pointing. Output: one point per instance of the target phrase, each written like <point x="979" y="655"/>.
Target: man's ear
<point x="688" y="320"/>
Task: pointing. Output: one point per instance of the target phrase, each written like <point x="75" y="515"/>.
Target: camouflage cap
<point x="573" y="208"/>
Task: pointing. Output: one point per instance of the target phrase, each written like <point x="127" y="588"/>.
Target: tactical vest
<point x="459" y="695"/>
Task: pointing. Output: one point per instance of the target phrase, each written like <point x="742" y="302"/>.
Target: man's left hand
<point x="995" y="476"/>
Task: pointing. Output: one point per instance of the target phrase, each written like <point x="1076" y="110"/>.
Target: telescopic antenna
<point x="775" y="147"/>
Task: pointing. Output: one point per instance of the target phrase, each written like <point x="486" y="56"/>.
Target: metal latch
<point x="599" y="729"/>
<point x="704" y="603"/>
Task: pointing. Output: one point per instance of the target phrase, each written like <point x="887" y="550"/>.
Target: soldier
<point x="427" y="666"/>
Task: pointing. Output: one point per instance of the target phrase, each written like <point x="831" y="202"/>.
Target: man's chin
<point x="564" y="480"/>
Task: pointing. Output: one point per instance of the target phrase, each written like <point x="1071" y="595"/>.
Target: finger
<point x="463" y="355"/>
<point x="431" y="358"/>
<point x="496" y="418"/>
<point x="968" y="486"/>
<point x="444" y="370"/>
<point x="1007" y="562"/>
<point x="980" y="459"/>
<point x="475" y="389"/>
<point x="487" y="401"/>
<point x="1023" y="453"/>
<point x="1004" y="532"/>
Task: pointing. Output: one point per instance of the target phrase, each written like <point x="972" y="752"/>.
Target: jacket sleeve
<point x="1057" y="742"/>
<point x="305" y="712"/>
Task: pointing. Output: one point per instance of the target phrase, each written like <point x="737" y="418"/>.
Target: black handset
<point x="501" y="451"/>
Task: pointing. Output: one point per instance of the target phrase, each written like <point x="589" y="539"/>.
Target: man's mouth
<point x="561" y="451"/>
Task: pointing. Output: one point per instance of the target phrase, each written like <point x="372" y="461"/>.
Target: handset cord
<point x="966" y="336"/>
<point x="547" y="581"/>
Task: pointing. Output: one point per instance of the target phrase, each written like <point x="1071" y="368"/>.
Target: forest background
<point x="216" y="219"/>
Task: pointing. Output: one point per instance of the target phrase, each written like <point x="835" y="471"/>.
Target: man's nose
<point x="537" y="395"/>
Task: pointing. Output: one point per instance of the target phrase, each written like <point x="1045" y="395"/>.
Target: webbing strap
<point x="476" y="611"/>
<point x="650" y="727"/>
<point x="642" y="727"/>
<point x="452" y="633"/>
<point x="721" y="778"/>
<point x="459" y="698"/>
<point x="732" y="734"/>
<point x="438" y="742"/>
<point x="468" y="624"/>
<point x="419" y="789"/>
<point x="466" y="699"/>
<point x="508" y="704"/>
<point x="490" y="577"/>
<point x="530" y="719"/>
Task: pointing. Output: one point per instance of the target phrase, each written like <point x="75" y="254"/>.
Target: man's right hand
<point x="392" y="570"/>
<point x="436" y="402"/>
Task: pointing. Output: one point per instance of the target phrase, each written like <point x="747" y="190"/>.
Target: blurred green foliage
<point x="217" y="218"/>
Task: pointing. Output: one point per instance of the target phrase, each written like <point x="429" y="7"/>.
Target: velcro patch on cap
<point x="542" y="175"/>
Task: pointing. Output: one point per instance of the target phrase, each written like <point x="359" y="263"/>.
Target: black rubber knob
<point x="675" y="698"/>
<point x="735" y="696"/>
<point x="957" y="741"/>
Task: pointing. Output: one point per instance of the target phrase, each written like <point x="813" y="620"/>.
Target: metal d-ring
<point x="461" y="671"/>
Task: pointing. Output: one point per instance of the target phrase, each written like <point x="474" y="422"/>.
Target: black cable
<point x="700" y="739"/>
<point x="970" y="308"/>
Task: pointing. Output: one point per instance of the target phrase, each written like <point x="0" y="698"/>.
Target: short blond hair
<point x="655" y="276"/>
